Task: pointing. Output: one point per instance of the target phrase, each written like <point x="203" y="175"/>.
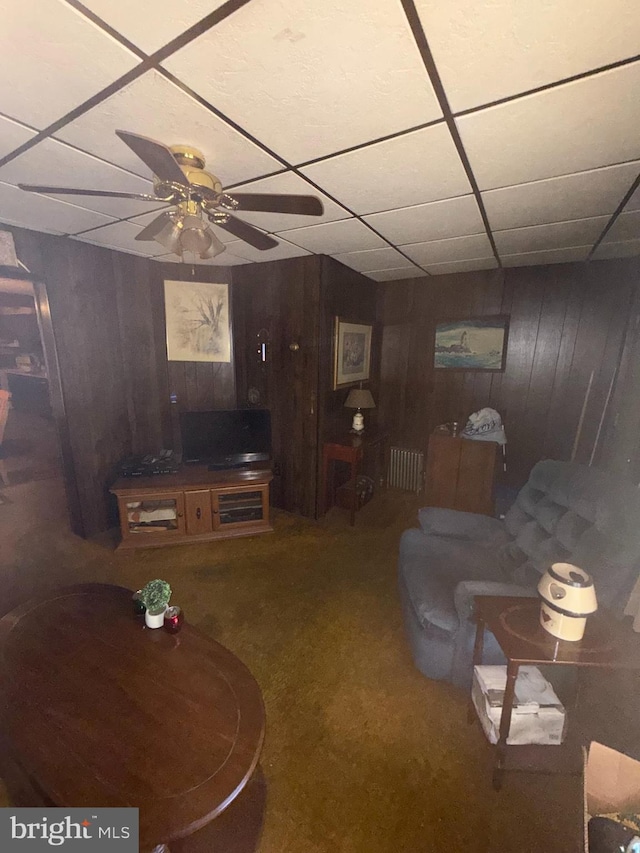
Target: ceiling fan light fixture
<point x="195" y="235"/>
<point x="169" y="236"/>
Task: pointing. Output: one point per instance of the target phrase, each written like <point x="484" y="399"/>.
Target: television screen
<point x="226" y="438"/>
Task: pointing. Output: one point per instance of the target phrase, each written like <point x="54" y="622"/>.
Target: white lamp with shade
<point x="359" y="398"/>
<point x="568" y="597"/>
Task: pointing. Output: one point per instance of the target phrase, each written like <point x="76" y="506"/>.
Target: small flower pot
<point x="154" y="620"/>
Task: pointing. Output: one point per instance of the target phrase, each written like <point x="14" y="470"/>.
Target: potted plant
<point x="155" y="597"/>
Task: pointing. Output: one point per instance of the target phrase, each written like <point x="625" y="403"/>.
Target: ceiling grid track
<point x="539" y="212"/>
<point x="430" y="65"/>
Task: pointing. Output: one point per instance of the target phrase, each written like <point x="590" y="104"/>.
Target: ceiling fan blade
<point x="156" y="156"/>
<point x="308" y="205"/>
<point x="248" y="233"/>
<point x="31" y="188"/>
<point x="154" y="227"/>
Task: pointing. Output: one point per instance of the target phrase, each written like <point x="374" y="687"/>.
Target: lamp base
<point x="358" y="422"/>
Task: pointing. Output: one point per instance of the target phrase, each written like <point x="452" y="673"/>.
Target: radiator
<point x="406" y="469"/>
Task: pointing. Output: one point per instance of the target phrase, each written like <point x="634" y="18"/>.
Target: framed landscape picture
<point x="352" y="353"/>
<point x="475" y="343"/>
<point x="197" y="318"/>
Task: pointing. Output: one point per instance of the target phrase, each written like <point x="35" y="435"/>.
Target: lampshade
<point x="360" y="398"/>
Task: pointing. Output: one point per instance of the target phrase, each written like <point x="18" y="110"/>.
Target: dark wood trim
<point x="430" y="66"/>
<point x="56" y="394"/>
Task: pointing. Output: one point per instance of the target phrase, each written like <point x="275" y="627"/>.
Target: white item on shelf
<point x="538" y="716"/>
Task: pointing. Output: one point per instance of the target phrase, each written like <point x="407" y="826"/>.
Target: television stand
<point x="195" y="504"/>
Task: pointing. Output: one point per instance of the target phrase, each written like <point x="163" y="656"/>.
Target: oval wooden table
<point x="99" y="710"/>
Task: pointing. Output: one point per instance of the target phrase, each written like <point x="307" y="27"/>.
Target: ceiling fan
<point x="180" y="179"/>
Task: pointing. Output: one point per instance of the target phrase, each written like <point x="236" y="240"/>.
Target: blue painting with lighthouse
<point x="478" y="343"/>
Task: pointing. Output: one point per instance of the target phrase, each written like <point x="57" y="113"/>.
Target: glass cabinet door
<point x="154" y="515"/>
<point x="240" y="506"/>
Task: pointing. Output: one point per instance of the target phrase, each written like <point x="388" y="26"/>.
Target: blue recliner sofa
<point x="565" y="513"/>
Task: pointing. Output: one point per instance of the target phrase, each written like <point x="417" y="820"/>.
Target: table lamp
<point x="568" y="597"/>
<point x="359" y="398"/>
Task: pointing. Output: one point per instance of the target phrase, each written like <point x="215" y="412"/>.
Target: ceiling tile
<point x="374" y="259"/>
<point x="551" y="256"/>
<point x="454" y="249"/>
<point x="45" y="214"/>
<point x="309" y="79"/>
<point x="626" y="227"/>
<point x="12" y="135"/>
<point x="155" y="107"/>
<point x="578" y="196"/>
<point x="122" y="236"/>
<point x="581" y="125"/>
<point x="557" y="235"/>
<point x="418" y="167"/>
<point x="54" y="163"/>
<point x="396" y="274"/>
<point x="453" y="217"/>
<point x="462" y="266"/>
<point x="539" y="43"/>
<point x="284" y="249"/>
<point x="623" y="249"/>
<point x="150" y="24"/>
<point x="288" y="182"/>
<point x="52" y="58"/>
<point x="347" y="235"/>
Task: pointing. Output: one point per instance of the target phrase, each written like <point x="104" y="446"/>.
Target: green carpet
<point x="362" y="754"/>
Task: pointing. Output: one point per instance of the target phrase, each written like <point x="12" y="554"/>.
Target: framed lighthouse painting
<point x="475" y="343"/>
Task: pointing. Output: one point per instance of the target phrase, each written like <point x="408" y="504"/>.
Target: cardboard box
<point x="611" y="784"/>
<point x="538" y="716"/>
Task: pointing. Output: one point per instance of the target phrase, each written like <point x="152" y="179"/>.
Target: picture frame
<point x="351" y="353"/>
<point x="472" y="344"/>
<point x="197" y="321"/>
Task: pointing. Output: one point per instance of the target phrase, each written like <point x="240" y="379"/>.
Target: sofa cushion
<point x="460" y="525"/>
<point x="432" y="566"/>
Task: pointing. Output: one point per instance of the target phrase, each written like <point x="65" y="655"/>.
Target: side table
<point x="514" y="622"/>
<point x="349" y="448"/>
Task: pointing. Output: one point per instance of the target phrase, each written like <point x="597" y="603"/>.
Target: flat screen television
<point x="227" y="438"/>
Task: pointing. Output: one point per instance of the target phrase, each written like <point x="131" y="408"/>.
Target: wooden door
<point x="197" y="506"/>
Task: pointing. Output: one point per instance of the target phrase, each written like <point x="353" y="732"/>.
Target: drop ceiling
<point x="440" y="136"/>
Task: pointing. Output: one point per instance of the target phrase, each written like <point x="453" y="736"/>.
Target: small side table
<point x="514" y="622"/>
<point x="349" y="448"/>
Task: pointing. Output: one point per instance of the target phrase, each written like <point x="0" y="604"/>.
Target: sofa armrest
<point x="466" y="591"/>
<point x="458" y="525"/>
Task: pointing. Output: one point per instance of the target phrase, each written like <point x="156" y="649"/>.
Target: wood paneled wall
<point x="82" y="284"/>
<point x="187" y="385"/>
<point x="567" y="321"/>
<point x="349" y="295"/>
<point x="107" y="310"/>
<point x="277" y="303"/>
